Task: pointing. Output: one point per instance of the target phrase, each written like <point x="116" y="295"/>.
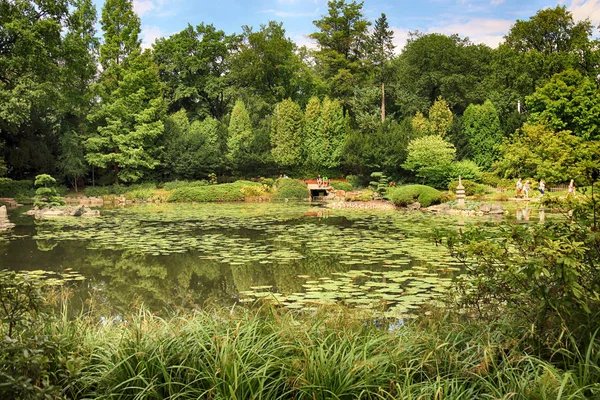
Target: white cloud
<point x="400" y="38"/>
<point x="150" y="34"/>
<point x="583" y="9"/>
<point x="142" y="7"/>
<point x="291" y="14"/>
<point x="479" y="30"/>
<point x="305" y="40"/>
<point x="496" y="2"/>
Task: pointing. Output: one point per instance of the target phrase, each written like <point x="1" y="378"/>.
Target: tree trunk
<point x="116" y="168"/>
<point x="382" y="102"/>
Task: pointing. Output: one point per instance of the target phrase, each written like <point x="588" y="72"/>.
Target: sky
<point x="482" y="21"/>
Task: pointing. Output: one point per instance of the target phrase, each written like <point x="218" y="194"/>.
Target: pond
<point x="171" y="257"/>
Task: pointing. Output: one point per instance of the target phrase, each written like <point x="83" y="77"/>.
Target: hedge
<point x="211" y="193"/>
<point x="12" y="188"/>
<point x="471" y="188"/>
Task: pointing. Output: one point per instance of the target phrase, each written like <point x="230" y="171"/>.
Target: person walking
<point x="542" y="187"/>
<point x="519" y="188"/>
<point x="526" y="189"/>
<point x="571" y="189"/>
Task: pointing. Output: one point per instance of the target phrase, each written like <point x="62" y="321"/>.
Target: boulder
<point x="414" y="206"/>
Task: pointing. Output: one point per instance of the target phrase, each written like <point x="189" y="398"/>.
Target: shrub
<point x="490" y="178"/>
<point x="404" y="195"/>
<point x="210" y="193"/>
<point x="268" y="181"/>
<point x="365" y="195"/>
<point x="253" y="191"/>
<point x="466" y="169"/>
<point x="290" y="189"/>
<point x="346" y="186"/>
<point x="355" y="180"/>
<point x="471" y="188"/>
<point x="379" y="183"/>
<point x="12" y="188"/>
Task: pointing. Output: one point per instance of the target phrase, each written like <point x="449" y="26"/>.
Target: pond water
<point x="185" y="256"/>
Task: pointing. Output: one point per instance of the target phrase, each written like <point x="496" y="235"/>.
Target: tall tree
<point x="128" y="117"/>
<point x="439" y="121"/>
<point x="343" y="43"/>
<point x="481" y="126"/>
<point x="30" y="68"/>
<point x="241" y="136"/>
<point x="265" y="64"/>
<point x="430" y="157"/>
<point x="435" y="65"/>
<point x="286" y="134"/>
<point x="569" y="101"/>
<point x="382" y="51"/>
<point x="193" y="65"/>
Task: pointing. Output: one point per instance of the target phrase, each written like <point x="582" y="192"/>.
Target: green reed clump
<point x="333" y="354"/>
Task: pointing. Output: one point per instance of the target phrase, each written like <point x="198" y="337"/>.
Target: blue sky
<point x="483" y="21"/>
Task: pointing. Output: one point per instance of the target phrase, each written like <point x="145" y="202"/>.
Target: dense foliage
<point x="403" y="196"/>
<point x="250" y="104"/>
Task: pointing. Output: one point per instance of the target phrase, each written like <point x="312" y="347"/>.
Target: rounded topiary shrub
<point x="290" y="189"/>
<point x="404" y="195"/>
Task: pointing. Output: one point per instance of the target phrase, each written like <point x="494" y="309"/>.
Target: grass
<point x="334" y="353"/>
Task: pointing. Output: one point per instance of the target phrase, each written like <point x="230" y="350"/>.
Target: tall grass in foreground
<point x="267" y="354"/>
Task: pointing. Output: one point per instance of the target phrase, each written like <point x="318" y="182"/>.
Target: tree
<point x="481" y="127"/>
<point x="539" y="152"/>
<point x="430" y="157"/>
<point x="30" y="70"/>
<point x="286" y="134"/>
<point x="128" y="117"/>
<point x="435" y="65"/>
<point x="241" y="136"/>
<point x="192" y="150"/>
<point x="569" y="101"/>
<point x="382" y="51"/>
<point x="72" y="160"/>
<point x="439" y="121"/>
<point x="265" y="64"/>
<point x="193" y="65"/>
<point x="343" y="43"/>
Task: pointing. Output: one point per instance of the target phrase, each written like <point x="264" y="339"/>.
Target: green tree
<point x="430" y="157"/>
<point x="193" y="65"/>
<point x="569" y="101"/>
<point x="539" y="152"/>
<point x="30" y="82"/>
<point x="128" y="118"/>
<point x="343" y="43"/>
<point x="382" y="51"/>
<point x="435" y="65"/>
<point x="439" y="121"/>
<point x="72" y="159"/>
<point x="286" y="134"/>
<point x="481" y="127"/>
<point x="265" y="64"/>
<point x="241" y="136"/>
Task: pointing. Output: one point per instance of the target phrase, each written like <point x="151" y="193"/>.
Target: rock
<point x="414" y="206"/>
<point x="439" y="208"/>
<point x="3" y="212"/>
<point x="4" y="221"/>
<point x="485" y="208"/>
<point x="68" y="211"/>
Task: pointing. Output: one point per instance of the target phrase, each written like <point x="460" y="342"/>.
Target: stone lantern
<point x="460" y="193"/>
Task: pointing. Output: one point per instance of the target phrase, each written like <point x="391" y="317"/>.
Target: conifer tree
<point x="286" y="134"/>
<point x="382" y="51"/>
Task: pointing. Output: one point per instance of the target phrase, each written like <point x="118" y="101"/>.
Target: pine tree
<point x="383" y="50"/>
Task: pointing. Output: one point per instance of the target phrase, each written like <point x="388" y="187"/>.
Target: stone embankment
<point x="481" y="210"/>
<point x="365" y="205"/>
